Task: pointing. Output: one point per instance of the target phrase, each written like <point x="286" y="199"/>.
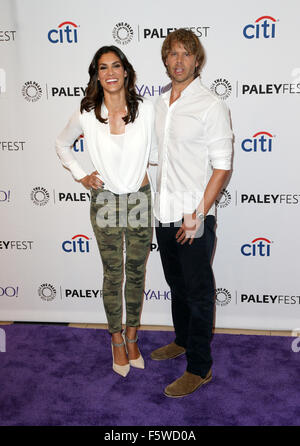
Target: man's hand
<point x="188" y="229"/>
<point x="191" y="223"/>
<point x="92" y="181"/>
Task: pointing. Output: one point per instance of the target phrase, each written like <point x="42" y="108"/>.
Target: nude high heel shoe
<point x="138" y="363"/>
<point x="122" y="370"/>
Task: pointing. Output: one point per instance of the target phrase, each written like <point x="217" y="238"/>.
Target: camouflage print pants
<point x="115" y="218"/>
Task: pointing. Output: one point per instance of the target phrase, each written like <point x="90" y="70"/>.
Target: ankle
<point x="131" y="334"/>
<point x="117" y="338"/>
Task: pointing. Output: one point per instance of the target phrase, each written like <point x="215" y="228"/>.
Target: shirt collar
<point x="192" y="88"/>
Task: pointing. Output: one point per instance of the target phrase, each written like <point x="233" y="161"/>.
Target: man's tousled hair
<point x="190" y="42"/>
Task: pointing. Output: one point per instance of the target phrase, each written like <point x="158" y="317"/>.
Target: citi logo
<point x="258" y="247"/>
<point x="264" y="27"/>
<point x="78" y="145"/>
<point x="78" y="243"/>
<point x="260" y="142"/>
<point x="66" y="32"/>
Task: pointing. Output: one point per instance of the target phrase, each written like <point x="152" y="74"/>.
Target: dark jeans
<point x="188" y="272"/>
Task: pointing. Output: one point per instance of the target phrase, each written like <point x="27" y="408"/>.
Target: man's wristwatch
<point x="200" y="216"/>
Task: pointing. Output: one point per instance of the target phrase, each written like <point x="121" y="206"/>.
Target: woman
<point x="118" y="129"/>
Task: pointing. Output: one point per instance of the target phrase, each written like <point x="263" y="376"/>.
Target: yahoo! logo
<point x="9" y="291"/>
<point x="258" y="247"/>
<point x="5" y="195"/>
<point x="150" y="90"/>
<point x="264" y="27"/>
<point x="260" y="142"/>
<point x="78" y="243"/>
<point x="66" y="32"/>
<point x="157" y="295"/>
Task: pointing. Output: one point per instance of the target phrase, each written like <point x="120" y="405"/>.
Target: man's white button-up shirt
<point x="194" y="137"/>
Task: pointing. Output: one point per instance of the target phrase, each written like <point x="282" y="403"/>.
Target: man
<point x="195" y="147"/>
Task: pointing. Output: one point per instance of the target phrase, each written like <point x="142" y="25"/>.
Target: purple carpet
<point x="54" y="375"/>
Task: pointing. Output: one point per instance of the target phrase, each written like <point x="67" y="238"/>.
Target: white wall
<point x="41" y="206"/>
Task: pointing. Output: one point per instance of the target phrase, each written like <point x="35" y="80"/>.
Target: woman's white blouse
<point x="121" y="166"/>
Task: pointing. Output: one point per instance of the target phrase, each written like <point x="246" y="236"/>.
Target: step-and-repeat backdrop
<point x="50" y="265"/>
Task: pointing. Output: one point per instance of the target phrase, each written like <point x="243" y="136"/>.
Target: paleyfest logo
<point x="32" y="91"/>
<point x="122" y="33"/>
<point x="264" y="27"/>
<point x="162" y="33"/>
<point x="39" y="196"/>
<point x="66" y="32"/>
<point x="223" y="297"/>
<point x="224" y="199"/>
<point x="221" y="88"/>
<point x="47" y="292"/>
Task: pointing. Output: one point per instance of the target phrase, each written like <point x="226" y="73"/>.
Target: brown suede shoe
<point x="169" y="351"/>
<point x="186" y="384"/>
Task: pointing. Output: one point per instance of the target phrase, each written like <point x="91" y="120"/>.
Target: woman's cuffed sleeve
<point x="64" y="143"/>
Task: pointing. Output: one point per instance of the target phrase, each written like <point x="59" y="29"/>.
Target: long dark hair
<point x="94" y="92"/>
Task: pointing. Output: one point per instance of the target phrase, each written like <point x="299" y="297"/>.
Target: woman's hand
<point x="92" y="181"/>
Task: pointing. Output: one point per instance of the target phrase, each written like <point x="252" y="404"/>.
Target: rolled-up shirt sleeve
<point x="218" y="135"/>
<point x="64" y="143"/>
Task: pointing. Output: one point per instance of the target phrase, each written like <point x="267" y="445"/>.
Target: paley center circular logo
<point x="47" y="292"/>
<point x="32" y="91"/>
<point x="40" y="196"/>
<point x="122" y="33"/>
<point x="223" y="297"/>
<point x="222" y="88"/>
<point x="224" y="199"/>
